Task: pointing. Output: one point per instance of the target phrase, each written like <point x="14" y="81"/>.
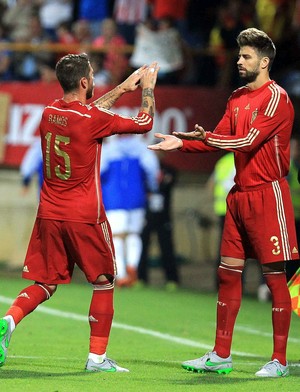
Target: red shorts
<point x="260" y="224"/>
<point x="56" y="246"/>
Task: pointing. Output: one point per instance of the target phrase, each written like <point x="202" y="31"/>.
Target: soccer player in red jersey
<point x="71" y="225"/>
<point x="259" y="222"/>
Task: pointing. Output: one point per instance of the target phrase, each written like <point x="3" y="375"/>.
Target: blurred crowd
<point x="193" y="40"/>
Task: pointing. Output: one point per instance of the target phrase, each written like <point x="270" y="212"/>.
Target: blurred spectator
<point x="29" y="65"/>
<point x="5" y="59"/>
<point x="171" y="9"/>
<point x="82" y="34"/>
<point x="81" y="31"/>
<point x="223" y="41"/>
<point x="162" y="43"/>
<point x="32" y="165"/>
<point x="52" y="13"/>
<point x="115" y="62"/>
<point x="200" y="25"/>
<point x="64" y="36"/>
<point x="102" y="76"/>
<point x="16" y="19"/>
<point x="159" y="222"/>
<point x="93" y="12"/>
<point x="276" y="18"/>
<point x="128" y="171"/>
<point x="128" y="14"/>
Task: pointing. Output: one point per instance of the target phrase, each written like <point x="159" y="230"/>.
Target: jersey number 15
<point x="62" y="173"/>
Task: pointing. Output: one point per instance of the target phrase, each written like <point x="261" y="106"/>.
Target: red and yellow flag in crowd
<point x="294" y="288"/>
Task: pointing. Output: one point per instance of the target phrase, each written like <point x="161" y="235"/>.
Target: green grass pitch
<point x="153" y="332"/>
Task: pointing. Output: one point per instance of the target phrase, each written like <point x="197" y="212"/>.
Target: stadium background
<point x="178" y="108"/>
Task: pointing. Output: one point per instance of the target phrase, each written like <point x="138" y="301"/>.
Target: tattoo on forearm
<point x="145" y="103"/>
<point x="148" y="92"/>
<point x="148" y="101"/>
<point x="151" y="111"/>
<point x="108" y="99"/>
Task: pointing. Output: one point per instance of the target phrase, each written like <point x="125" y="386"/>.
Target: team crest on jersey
<point x="254" y="115"/>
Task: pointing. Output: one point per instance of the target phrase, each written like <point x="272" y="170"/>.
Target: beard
<point x="249" y="76"/>
<point x="90" y="93"/>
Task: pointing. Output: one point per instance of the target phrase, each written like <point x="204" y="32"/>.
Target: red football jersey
<point x="71" y="138"/>
<point x="257" y="127"/>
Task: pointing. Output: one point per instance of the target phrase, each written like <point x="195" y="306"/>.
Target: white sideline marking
<point x="256" y="332"/>
<point x="144" y="331"/>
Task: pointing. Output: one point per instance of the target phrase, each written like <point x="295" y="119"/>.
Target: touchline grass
<point x="153" y="332"/>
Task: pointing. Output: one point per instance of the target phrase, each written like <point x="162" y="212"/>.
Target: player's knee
<point x="273" y="268"/>
<point x="104" y="278"/>
<point x="49" y="288"/>
<point x="104" y="282"/>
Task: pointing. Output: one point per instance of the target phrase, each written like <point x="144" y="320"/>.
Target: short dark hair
<point x="258" y="40"/>
<point x="70" y="69"/>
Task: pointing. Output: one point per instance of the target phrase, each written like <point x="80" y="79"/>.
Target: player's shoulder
<point x="243" y="90"/>
<point x="74" y="108"/>
<point x="274" y="86"/>
<point x="278" y="93"/>
<point x="54" y="104"/>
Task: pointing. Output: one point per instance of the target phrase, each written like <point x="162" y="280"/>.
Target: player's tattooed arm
<point x="148" y="82"/>
<point x="146" y="77"/>
<point x="148" y="102"/>
<point x="108" y="99"/>
<point x="129" y="84"/>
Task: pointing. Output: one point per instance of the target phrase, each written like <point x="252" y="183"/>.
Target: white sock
<point x="133" y="249"/>
<point x="12" y="322"/>
<point x="96" y="357"/>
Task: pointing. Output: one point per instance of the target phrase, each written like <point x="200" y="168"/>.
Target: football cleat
<point x="108" y="365"/>
<point x="273" y="369"/>
<point x="210" y="362"/>
<point x="5" y="335"/>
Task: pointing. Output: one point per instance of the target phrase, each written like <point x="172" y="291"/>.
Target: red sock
<point x="27" y="300"/>
<point x="281" y="313"/>
<point x="100" y="318"/>
<point x="228" y="305"/>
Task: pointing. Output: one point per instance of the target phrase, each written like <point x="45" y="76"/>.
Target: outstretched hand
<point x="169" y="143"/>
<point x="197" y="134"/>
<point x="174" y="141"/>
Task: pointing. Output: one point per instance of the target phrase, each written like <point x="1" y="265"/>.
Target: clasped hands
<point x="144" y="76"/>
